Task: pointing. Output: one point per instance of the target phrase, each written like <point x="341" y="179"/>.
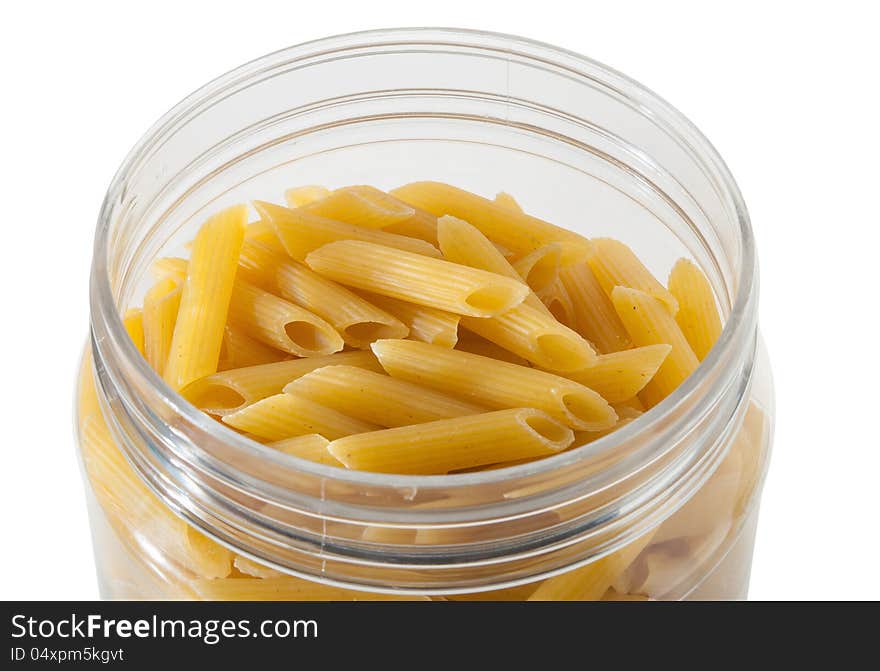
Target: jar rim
<point x="738" y="331"/>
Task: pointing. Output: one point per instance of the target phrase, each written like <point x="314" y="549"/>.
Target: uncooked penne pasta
<point x="303" y="195"/>
<point x="496" y="384"/>
<point x="419" y="279"/>
<point x="557" y="301"/>
<point x="311" y="447"/>
<point x="594" y="315"/>
<point x="426" y="324"/>
<point x="134" y="326"/>
<point x="540" y="268"/>
<point x="697" y="312"/>
<point x="370" y="207"/>
<point x="450" y="444"/>
<point x="357" y="321"/>
<point x="169" y="266"/>
<point x="516" y="231"/>
<point x="240" y="350"/>
<point x="302" y="232"/>
<point x="286" y="416"/>
<point x="506" y="200"/>
<point x="161" y="304"/>
<point x="471" y="342"/>
<point x="205" y="298"/>
<point x="279" y="323"/>
<point x="263" y="232"/>
<point x="377" y="398"/>
<point x="259" y="262"/>
<point x="648" y="322"/>
<point x="619" y="376"/>
<point x="614" y="264"/>
<point x="288" y="588"/>
<point x="231" y="390"/>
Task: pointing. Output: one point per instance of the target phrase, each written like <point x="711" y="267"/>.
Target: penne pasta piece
<point x="376" y="398"/>
<point x="506" y="200"/>
<point x="450" y="444"/>
<point x="357" y="321"/>
<point x="592" y="581"/>
<point x="286" y="416"/>
<point x="169" y="266"/>
<point x="540" y="268"/>
<point x="231" y="390"/>
<point x="281" y="324"/>
<point x="619" y="376"/>
<point x="302" y="232"/>
<point x="614" y="264"/>
<point x="239" y="350"/>
<point x="557" y="301"/>
<point x="516" y="231"/>
<point x="368" y="206"/>
<point x="205" y="298"/>
<point x="697" y="312"/>
<point x="264" y="233"/>
<point x="462" y="243"/>
<point x="594" y="315"/>
<point x="648" y="322"/>
<point x="419" y="279"/>
<point x="161" y="304"/>
<point x="134" y="326"/>
<point x="288" y="588"/>
<point x="426" y="324"/>
<point x="471" y="342"/>
<point x="312" y="447"/>
<point x="496" y="384"/>
<point x="535" y="336"/>
<point x="303" y="195"/>
<point x="259" y="262"/>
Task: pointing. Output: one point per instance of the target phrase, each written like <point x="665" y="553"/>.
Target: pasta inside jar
<point x="419" y="392"/>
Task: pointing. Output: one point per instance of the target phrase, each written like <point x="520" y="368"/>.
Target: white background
<point x="787" y="95"/>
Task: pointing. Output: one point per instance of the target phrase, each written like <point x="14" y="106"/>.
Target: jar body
<point x="178" y="507"/>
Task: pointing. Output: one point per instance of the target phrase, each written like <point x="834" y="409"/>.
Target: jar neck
<point x="427" y="534"/>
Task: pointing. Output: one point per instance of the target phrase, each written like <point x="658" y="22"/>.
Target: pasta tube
<point x="556" y="299"/>
<point x="619" y="376"/>
<point x="231" y="390"/>
<point x="418" y="279"/>
<point x="614" y="264"/>
<point x="471" y="342"/>
<point x="281" y="324"/>
<point x="649" y="323"/>
<point x="496" y="384"/>
<point x="594" y="315"/>
<point x="303" y="195"/>
<point x="134" y="326"/>
<point x="377" y="398"/>
<point x="302" y="232"/>
<point x="312" y="447"/>
<point x="450" y="444"/>
<point x="161" y="304"/>
<point x="239" y="350"/>
<point x="540" y="268"/>
<point x="426" y="324"/>
<point x="205" y="298"/>
<point x="697" y="312"/>
<point x="286" y="416"/>
<point x="516" y="231"/>
<point x="357" y="321"/>
<point x="504" y="199"/>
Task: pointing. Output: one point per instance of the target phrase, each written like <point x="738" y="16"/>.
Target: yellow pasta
<point x="312" y="447"/>
<point x="302" y="232"/>
<point x="619" y="376"/>
<point x="557" y="301"/>
<point x="506" y="200"/>
<point x="205" y="298"/>
<point x="594" y="315"/>
<point x="254" y="569"/>
<point x="161" y="304"/>
<point x="648" y="322"/>
<point x="259" y="262"/>
<point x="426" y="324"/>
<point x="471" y="342"/>
<point x="231" y="390"/>
<point x="264" y="233"/>
<point x="419" y="279"/>
<point x="450" y="444"/>
<point x="303" y="195"/>
<point x="239" y="350"/>
<point x="286" y="416"/>
<point x="496" y="384"/>
<point x="279" y="323"/>
<point x="614" y="264"/>
<point x="540" y="268"/>
<point x="169" y="267"/>
<point x="697" y="312"/>
<point x="377" y="398"/>
<point x="134" y="326"/>
<point x="357" y="321"/>
<point x="518" y="232"/>
<point x="287" y="588"/>
<point x="368" y="206"/>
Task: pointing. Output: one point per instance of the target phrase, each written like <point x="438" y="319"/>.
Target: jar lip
<point x="107" y="321"/>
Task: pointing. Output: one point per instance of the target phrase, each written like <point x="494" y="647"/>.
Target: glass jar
<point x="664" y="508"/>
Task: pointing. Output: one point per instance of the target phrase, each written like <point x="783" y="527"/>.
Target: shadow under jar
<point x="181" y="506"/>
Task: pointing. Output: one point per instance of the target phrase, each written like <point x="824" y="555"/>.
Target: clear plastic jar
<point x="665" y="508"/>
